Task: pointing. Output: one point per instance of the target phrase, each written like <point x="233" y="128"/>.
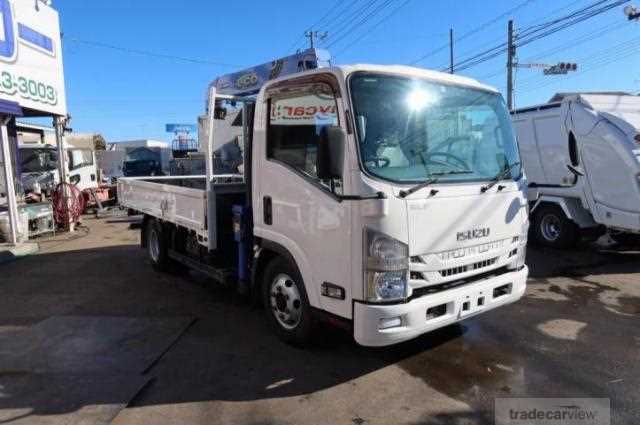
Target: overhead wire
<point x="473" y="31"/>
<point x="373" y="27"/>
<point x="531" y="34"/>
<point x="333" y="9"/>
<point x="149" y="53"/>
<point x="595" y="61"/>
<point x="362" y="21"/>
<point x="610" y="27"/>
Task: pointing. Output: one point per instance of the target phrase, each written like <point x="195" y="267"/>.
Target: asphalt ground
<point x="575" y="333"/>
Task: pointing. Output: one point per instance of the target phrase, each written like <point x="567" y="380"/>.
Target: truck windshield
<point x="34" y="160"/>
<point x="411" y="130"/>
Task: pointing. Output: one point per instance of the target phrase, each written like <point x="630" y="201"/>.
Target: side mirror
<point x="330" y="155"/>
<point x="577" y="171"/>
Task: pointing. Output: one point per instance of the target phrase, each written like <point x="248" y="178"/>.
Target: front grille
<point x="453" y="271"/>
<point x="463" y="269"/>
<point x="428" y="290"/>
<point x="485" y="263"/>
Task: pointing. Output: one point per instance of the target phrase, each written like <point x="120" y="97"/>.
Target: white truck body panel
<point x="604" y="127"/>
<point x="184" y="206"/>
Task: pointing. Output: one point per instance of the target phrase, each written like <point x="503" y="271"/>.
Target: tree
<point x="99" y="143"/>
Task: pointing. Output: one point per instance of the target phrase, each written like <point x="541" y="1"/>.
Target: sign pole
<point x="8" y="177"/>
<point x="59" y="124"/>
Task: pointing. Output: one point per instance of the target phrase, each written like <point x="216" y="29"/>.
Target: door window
<point x="79" y="158"/>
<point x="296" y="120"/>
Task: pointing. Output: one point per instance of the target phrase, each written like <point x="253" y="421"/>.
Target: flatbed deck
<point x="181" y="200"/>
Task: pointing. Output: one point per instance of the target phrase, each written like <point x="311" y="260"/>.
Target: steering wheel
<point x="451" y="159"/>
<point x="449" y="141"/>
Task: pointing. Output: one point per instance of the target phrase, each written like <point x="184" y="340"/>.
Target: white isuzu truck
<point x="389" y="199"/>
<point x="581" y="152"/>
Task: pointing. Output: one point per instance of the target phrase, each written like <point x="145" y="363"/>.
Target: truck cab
<point x="394" y="261"/>
<point x="387" y="199"/>
<point x="39" y="165"/>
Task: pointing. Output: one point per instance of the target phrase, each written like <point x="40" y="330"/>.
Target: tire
<point x="157" y="246"/>
<point x="286" y="303"/>
<point x="552" y="228"/>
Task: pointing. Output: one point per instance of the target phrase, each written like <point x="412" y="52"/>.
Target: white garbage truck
<point x="387" y="199"/>
<point x="581" y="152"/>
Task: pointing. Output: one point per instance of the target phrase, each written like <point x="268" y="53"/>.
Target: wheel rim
<point x="286" y="302"/>
<point x="551" y="227"/>
<point x="154" y="245"/>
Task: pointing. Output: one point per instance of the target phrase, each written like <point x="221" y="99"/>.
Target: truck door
<point x="292" y="206"/>
<point x="82" y="168"/>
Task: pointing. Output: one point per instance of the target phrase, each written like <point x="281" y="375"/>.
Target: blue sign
<point x="181" y="128"/>
<point x="249" y="81"/>
<point x="7" y="39"/>
<point x="8" y="45"/>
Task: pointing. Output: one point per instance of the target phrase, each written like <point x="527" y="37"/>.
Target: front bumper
<point x="476" y="298"/>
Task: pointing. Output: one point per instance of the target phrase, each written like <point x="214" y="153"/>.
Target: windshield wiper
<point x="430" y="181"/>
<point x="501" y="175"/>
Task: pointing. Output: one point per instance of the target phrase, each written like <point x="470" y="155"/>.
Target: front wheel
<point x="552" y="228"/>
<point x="286" y="303"/>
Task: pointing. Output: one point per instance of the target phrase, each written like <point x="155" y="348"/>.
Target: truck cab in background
<point x="581" y="152"/>
<point x="38" y="166"/>
<point x="386" y="198"/>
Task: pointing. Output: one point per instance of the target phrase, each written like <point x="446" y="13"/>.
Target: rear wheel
<point x="157" y="246"/>
<point x="286" y="303"/>
<point x="552" y="228"/>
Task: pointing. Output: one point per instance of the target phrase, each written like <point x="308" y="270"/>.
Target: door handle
<point x="267" y="212"/>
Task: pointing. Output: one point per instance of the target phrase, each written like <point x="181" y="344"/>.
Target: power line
<point x="531" y="34"/>
<point x="602" y="63"/>
<point x="611" y="27"/>
<point x="537" y="20"/>
<point x="334" y="9"/>
<point x="151" y="54"/>
<point x="472" y="32"/>
<point x="350" y="29"/>
<point x="572" y="19"/>
<point x="596" y="61"/>
<point x="342" y="22"/>
<point x="374" y="26"/>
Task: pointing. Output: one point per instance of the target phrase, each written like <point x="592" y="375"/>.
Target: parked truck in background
<point x="581" y="152"/>
<point x="38" y="165"/>
<point x="389" y="199"/>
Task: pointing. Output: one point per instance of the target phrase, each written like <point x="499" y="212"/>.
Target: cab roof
<point x="413" y="72"/>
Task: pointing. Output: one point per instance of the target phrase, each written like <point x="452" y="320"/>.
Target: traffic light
<point x="561" y="68"/>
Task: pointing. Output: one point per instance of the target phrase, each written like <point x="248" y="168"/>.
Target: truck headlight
<point x="386" y="267"/>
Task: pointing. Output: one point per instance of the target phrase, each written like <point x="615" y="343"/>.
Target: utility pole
<point x="314" y="35"/>
<point x="451" y="50"/>
<point x="511" y="53"/>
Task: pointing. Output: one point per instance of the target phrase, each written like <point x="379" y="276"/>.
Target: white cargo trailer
<point x="581" y="152"/>
<point x="389" y="199"/>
